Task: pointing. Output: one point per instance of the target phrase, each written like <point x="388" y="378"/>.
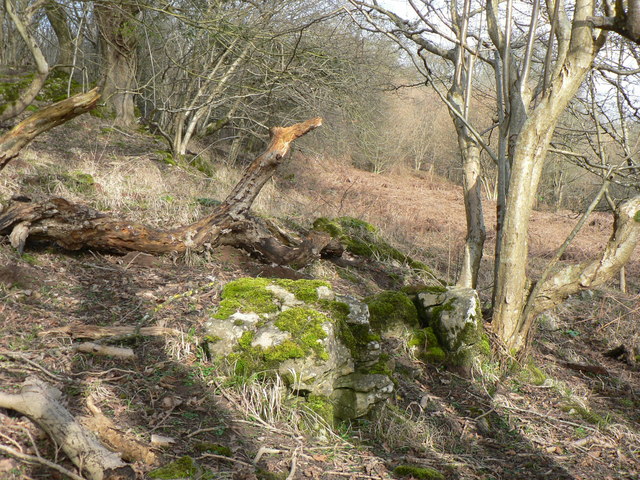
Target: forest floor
<point x="539" y="418"/>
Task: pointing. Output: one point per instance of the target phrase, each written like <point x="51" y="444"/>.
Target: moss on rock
<point x="390" y="310"/>
<point x="305" y="326"/>
<point x="421" y="473"/>
<point x="429" y="348"/>
<point x="304" y="290"/>
<point x="246" y="295"/>
<point x="362" y="238"/>
<point x="322" y="406"/>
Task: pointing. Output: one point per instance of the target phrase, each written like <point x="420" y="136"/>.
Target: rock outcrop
<point x="319" y="343"/>
<point x="454" y="318"/>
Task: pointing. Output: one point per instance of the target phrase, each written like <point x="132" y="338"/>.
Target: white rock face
<point x="325" y="293"/>
<point x="229" y="331"/>
<point x="287" y="299"/>
<point x="269" y="336"/>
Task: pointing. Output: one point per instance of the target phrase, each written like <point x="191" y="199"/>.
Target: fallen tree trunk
<point x="40" y="402"/>
<point x="45" y="119"/>
<point x="74" y="226"/>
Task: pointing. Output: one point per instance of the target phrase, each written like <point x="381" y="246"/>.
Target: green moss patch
<point x="56" y="87"/>
<point x="586" y="414"/>
<point x="305" y="326"/>
<point x="391" y="309"/>
<point x="246" y="295"/>
<point x="429" y="348"/>
<point x="305" y="323"/>
<point x="362" y="238"/>
<point x="251" y="295"/>
<point x="532" y="374"/>
<point x="420" y="473"/>
<point x="184" y="467"/>
<point x="216" y="448"/>
<point x="321" y="406"/>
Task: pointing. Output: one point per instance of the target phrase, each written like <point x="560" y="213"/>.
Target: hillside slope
<point x="539" y="419"/>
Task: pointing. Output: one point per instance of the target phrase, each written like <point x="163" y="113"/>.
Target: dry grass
<point x="436" y="416"/>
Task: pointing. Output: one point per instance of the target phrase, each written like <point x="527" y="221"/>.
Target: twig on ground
<point x="17" y="356"/>
<point x="294" y="461"/>
<point x="228" y="459"/>
<point x="40" y="460"/>
<point x="106" y="350"/>
<point x="262" y="451"/>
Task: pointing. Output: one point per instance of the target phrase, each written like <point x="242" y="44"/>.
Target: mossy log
<point x="74" y="226"/>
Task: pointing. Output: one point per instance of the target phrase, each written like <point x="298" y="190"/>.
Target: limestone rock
<point x="455" y="317"/>
<point x="358" y="311"/>
<point x="317" y="342"/>
<point x="356" y="394"/>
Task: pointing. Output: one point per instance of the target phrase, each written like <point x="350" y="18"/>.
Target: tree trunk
<point x="27" y="96"/>
<point x="470" y="151"/>
<point x="75" y="226"/>
<point x="593" y="273"/>
<point x="58" y="19"/>
<point x="19" y="136"/>
<point x="511" y="283"/>
<point x="476" y="232"/>
<point x="119" y="58"/>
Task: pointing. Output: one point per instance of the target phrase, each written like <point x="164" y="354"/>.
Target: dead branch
<point x="109" y="433"/>
<point x="579" y="367"/>
<point x="40" y="402"/>
<point x="42" y="461"/>
<point x="96" y="332"/>
<point x="106" y="350"/>
<point x="51" y="116"/>
<point x="74" y="226"/>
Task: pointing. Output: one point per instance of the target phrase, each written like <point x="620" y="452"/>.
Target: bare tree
<point x="538" y="70"/>
<point x="27" y="96"/>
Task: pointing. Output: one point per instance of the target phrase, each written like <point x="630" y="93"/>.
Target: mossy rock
<point x="392" y="312"/>
<point x="246" y="295"/>
<point x="256" y="310"/>
<point x="184" y="467"/>
<point x="420" y="473"/>
<point x="427" y="345"/>
<point x="57" y="86"/>
<point x="363" y="239"/>
<point x="456" y="320"/>
<point x="215" y="448"/>
<point x="300" y="330"/>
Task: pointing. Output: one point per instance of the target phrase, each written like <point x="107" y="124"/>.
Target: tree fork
<point x="74" y="226"/>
